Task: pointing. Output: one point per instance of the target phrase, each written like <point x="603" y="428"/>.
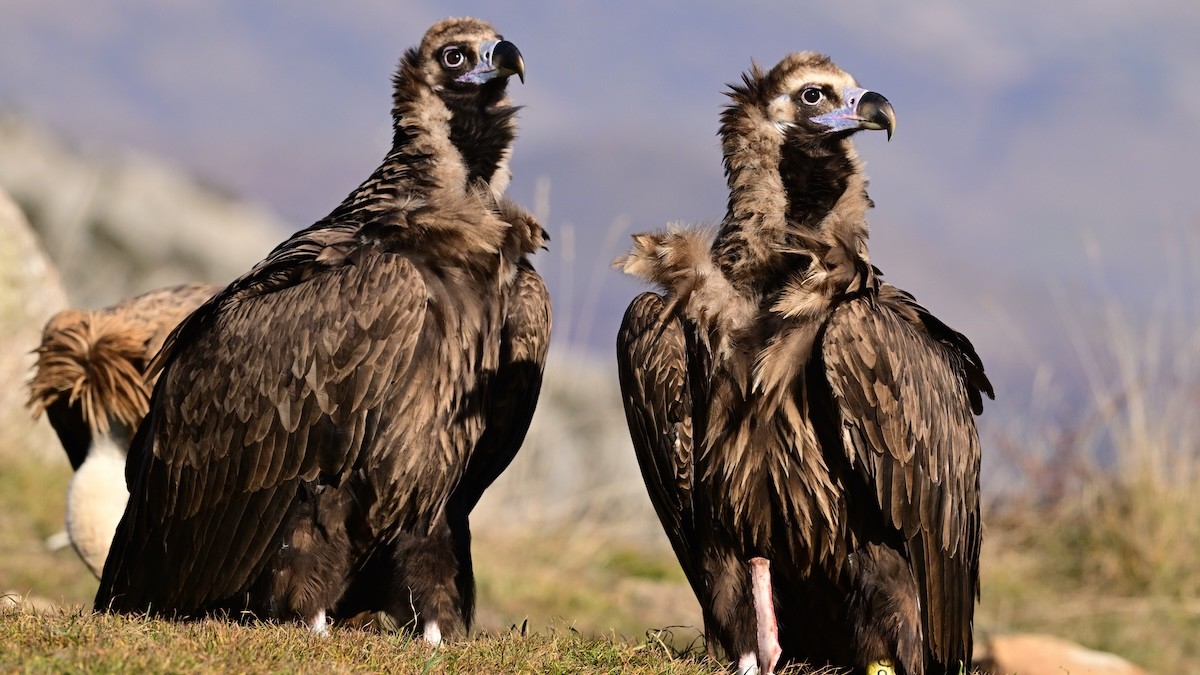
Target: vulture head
<point x="458" y="76"/>
<point x="790" y="163"/>
<point x="798" y="117"/>
<point x="808" y="101"/>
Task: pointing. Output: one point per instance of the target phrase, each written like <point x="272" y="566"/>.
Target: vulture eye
<point x="812" y="95"/>
<point x="452" y="57"/>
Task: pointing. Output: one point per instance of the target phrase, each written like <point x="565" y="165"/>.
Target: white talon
<point x="747" y="664"/>
<point x="319" y="625"/>
<point x="432" y="635"/>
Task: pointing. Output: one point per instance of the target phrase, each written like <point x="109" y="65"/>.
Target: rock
<point x="119" y="224"/>
<point x="1029" y="654"/>
<point x="30" y="292"/>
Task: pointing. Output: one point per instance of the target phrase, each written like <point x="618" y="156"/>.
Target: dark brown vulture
<point x="790" y="408"/>
<point x="322" y="428"/>
<point x="90" y="381"/>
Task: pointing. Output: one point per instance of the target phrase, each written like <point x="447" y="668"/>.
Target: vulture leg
<point x="425" y="594"/>
<point x="764" y="611"/>
<point x="885" y="612"/>
<point x="732" y="615"/>
<point x="303" y="575"/>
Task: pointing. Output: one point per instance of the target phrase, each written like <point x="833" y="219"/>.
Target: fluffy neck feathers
<point x="796" y="205"/>
<point x="450" y="149"/>
<point x="793" y="239"/>
<point x="476" y="126"/>
<point x="96" y="500"/>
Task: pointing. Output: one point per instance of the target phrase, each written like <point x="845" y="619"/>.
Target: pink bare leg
<point x="764" y="612"/>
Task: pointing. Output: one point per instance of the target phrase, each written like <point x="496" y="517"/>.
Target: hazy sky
<point x="1044" y="162"/>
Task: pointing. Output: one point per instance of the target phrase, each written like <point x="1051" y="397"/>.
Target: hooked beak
<point x="863" y="110"/>
<point x="497" y="58"/>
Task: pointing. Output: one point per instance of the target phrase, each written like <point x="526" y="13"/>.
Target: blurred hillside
<point x="117" y="224"/>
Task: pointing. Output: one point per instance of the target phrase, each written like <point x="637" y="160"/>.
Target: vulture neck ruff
<point x="474" y="123"/>
<point x="794" y="238"/>
<point x="96" y="500"/>
<point x="449" y="158"/>
<point x="796" y="217"/>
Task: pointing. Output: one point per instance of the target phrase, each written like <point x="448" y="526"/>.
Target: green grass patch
<point x="33" y="507"/>
<point x="77" y="642"/>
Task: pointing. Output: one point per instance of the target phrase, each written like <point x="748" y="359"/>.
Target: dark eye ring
<point x="811" y="95"/>
<point x="452" y="57"/>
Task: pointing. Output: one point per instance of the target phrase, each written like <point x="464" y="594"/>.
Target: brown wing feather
<point x="905" y="401"/>
<point x="512" y="398"/>
<point x="513" y="393"/>
<point x="652" y="361"/>
<point x="276" y="381"/>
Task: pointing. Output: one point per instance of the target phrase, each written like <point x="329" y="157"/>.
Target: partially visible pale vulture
<point x="90" y="381"/>
<point x="806" y="431"/>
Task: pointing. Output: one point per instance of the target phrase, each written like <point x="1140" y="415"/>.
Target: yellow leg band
<point x="881" y="667"/>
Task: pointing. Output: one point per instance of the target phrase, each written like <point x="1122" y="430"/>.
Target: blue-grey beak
<point x="863" y="110"/>
<point x="497" y="58"/>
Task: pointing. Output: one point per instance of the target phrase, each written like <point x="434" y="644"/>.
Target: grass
<point x="1101" y="544"/>
<point x="549" y="602"/>
<point x="584" y="579"/>
<point x="32" y="507"/>
<point x="1109" y="563"/>
<point x="73" y="641"/>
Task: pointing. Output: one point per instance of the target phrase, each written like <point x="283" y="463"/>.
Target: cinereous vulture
<point x="90" y="381"/>
<point x="794" y="414"/>
<point x="322" y="428"/>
